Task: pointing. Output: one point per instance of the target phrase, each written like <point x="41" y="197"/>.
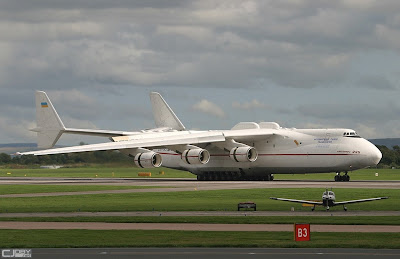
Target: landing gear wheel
<point x="342" y="178"/>
<point x="337" y="178"/>
<point x="211" y="177"/>
<point x="346" y="177"/>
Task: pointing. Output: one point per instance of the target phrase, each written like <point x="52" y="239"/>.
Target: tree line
<point x="390" y="158"/>
<point x="97" y="157"/>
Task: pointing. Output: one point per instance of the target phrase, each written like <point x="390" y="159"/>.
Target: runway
<point x="188" y="184"/>
<point x="196" y="227"/>
<point x="214" y="253"/>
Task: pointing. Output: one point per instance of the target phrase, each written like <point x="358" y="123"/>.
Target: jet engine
<point x="244" y="154"/>
<point x="148" y="159"/>
<point x="196" y="156"/>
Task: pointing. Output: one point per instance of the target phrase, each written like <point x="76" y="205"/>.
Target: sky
<point x="300" y="63"/>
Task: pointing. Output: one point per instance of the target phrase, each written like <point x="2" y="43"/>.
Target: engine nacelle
<point x="244" y="154"/>
<point x="148" y="160"/>
<point x="196" y="156"/>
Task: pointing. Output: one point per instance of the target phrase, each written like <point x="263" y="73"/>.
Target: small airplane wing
<point x="162" y="141"/>
<point x="297" y="201"/>
<point x="362" y="200"/>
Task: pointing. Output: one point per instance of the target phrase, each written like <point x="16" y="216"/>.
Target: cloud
<point x="377" y="82"/>
<point x="193" y="44"/>
<point x="351" y="111"/>
<point x="366" y="131"/>
<point x="91" y="52"/>
<point x="254" y="104"/>
<point x="17" y="130"/>
<point x="208" y="107"/>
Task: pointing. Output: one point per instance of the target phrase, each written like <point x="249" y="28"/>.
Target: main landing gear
<point x="342" y="178"/>
<point x="233" y="176"/>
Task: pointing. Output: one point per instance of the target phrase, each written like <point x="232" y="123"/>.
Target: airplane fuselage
<point x="328" y="199"/>
<point x="290" y="151"/>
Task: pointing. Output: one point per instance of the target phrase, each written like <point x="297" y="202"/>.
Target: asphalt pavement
<point x="213" y="253"/>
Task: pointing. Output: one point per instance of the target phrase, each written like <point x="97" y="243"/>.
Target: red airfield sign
<point x="302" y="232"/>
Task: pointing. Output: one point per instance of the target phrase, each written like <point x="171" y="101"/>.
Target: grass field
<point x="249" y="219"/>
<point x="96" y="172"/>
<point x="132" y="172"/>
<point x="155" y="238"/>
<point x="363" y="174"/>
<point x="216" y="200"/>
<point x="46" y="188"/>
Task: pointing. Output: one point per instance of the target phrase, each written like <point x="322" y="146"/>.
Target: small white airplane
<point x="248" y="151"/>
<point x="328" y="200"/>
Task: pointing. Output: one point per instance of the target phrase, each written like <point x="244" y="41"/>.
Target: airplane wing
<point x="162" y="141"/>
<point x="297" y="201"/>
<point x="170" y="133"/>
<point x="362" y="200"/>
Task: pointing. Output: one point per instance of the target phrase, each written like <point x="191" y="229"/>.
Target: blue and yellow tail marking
<point x="44" y="104"/>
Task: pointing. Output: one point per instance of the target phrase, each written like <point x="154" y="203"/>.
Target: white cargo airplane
<point x="328" y="200"/>
<point x="248" y="151"/>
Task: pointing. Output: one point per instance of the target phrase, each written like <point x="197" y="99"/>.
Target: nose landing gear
<point x="342" y="178"/>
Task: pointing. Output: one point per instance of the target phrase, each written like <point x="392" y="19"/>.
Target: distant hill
<point x="18" y="145"/>
<point x="389" y="142"/>
<point x="12" y="148"/>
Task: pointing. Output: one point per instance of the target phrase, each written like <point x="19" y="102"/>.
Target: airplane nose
<point x="375" y="155"/>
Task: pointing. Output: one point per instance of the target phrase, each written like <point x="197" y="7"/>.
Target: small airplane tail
<point x="49" y="125"/>
<point x="164" y="117"/>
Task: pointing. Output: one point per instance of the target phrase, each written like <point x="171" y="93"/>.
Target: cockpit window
<point x="330" y="193"/>
<point x="351" y="134"/>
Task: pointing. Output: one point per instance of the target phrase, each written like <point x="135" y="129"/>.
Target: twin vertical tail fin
<point x="164" y="116"/>
<point x="49" y="125"/>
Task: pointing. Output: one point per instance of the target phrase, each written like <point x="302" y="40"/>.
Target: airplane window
<point x="351" y="134"/>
